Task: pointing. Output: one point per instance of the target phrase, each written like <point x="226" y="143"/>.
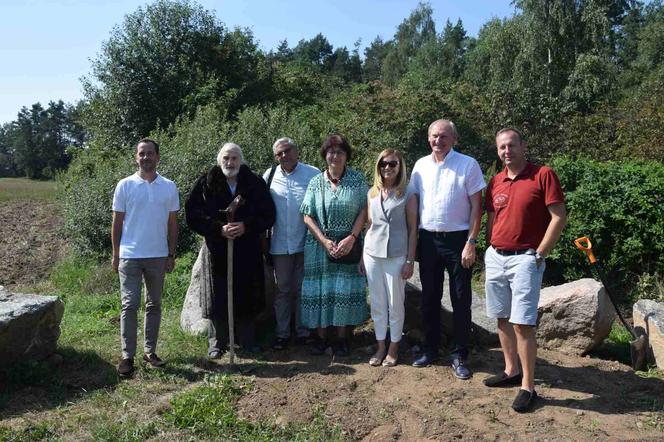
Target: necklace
<point x="335" y="180"/>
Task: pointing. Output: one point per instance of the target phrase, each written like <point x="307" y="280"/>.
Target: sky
<point x="46" y="46"/>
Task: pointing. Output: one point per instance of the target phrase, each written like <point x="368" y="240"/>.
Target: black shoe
<point x="341" y="349"/>
<point x="126" y="367"/>
<point x="215" y="354"/>
<point x="502" y="380"/>
<point x="460" y="369"/>
<point x="425" y="360"/>
<point x="524" y="401"/>
<point x="318" y="347"/>
<point x="304" y="340"/>
<point x="153" y="360"/>
<point x="280" y="344"/>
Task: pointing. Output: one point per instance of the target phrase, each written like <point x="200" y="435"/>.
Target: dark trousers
<point x="440" y="251"/>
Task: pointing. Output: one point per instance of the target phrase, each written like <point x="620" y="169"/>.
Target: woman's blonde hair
<point x="400" y="181"/>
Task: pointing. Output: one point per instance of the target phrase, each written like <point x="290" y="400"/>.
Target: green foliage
<point x="86" y="192"/>
<point x="649" y="286"/>
<point x="163" y="62"/>
<point x="619" y="206"/>
<point x="35" y="145"/>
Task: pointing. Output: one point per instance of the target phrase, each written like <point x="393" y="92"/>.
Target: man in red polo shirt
<point x="526" y="214"/>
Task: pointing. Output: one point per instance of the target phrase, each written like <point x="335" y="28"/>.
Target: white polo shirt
<point x="287" y="191"/>
<point x="444" y="190"/>
<point x="146" y="206"/>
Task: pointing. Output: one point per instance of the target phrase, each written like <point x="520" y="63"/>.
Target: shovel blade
<point x="638" y="350"/>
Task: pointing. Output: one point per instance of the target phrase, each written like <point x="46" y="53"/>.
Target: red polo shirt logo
<point x="500" y="200"/>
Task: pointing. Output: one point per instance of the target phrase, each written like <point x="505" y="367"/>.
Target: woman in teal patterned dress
<point x="333" y="294"/>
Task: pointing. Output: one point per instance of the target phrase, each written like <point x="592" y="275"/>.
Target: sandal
<point x="389" y="362"/>
<point x="376" y="359"/>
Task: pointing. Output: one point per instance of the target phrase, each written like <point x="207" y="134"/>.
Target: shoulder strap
<point x="273" y="169"/>
<point x="269" y="178"/>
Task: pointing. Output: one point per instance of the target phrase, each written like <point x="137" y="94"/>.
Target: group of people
<point x="315" y="222"/>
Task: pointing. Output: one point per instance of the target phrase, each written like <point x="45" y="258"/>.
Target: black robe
<point x="209" y="196"/>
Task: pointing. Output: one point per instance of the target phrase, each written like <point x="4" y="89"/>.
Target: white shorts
<point x="512" y="286"/>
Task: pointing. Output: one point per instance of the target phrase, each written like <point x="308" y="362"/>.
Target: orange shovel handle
<point x="585" y="245"/>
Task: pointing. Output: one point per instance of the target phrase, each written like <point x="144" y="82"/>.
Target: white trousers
<point x="386" y="295"/>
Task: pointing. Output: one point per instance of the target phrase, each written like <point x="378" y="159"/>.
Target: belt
<point x="512" y="252"/>
<point x="445" y="234"/>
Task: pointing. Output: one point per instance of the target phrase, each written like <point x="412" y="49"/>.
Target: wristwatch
<point x="409" y="261"/>
<point x="472" y="241"/>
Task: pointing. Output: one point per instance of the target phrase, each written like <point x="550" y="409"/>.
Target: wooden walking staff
<point x="230" y="217"/>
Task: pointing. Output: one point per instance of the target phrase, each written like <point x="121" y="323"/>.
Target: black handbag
<point x="355" y="254"/>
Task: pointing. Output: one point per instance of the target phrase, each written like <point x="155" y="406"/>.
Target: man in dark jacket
<point x="212" y="194"/>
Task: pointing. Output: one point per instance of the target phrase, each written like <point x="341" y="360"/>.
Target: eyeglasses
<point x="283" y="152"/>
<point x="383" y="164"/>
<point x="338" y="152"/>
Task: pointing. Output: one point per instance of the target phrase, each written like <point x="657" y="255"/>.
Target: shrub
<point x="619" y="206"/>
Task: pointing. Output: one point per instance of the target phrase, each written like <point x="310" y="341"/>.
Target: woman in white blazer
<point x="389" y="251"/>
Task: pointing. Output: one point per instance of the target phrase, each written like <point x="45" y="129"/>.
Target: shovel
<point x="638" y="348"/>
<point x="230" y="217"/>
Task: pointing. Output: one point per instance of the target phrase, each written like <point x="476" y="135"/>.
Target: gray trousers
<point x="288" y="274"/>
<point x="133" y="272"/>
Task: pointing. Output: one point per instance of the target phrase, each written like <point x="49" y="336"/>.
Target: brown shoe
<point x="125" y="367"/>
<point x="153" y="360"/>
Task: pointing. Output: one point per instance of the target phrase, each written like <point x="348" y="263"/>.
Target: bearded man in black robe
<point x="211" y="195"/>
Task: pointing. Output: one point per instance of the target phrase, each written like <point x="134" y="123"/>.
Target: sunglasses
<point x="383" y="164"/>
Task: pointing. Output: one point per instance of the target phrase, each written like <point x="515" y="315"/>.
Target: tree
<point x="374" y="56"/>
<point x="411" y="35"/>
<point x="163" y="62"/>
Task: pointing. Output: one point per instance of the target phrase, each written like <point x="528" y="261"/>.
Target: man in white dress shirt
<point x="449" y="187"/>
<point x="288" y="183"/>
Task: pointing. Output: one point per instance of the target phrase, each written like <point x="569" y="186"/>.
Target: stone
<point x="484" y="330"/>
<point x="29" y="326"/>
<point x="191" y="318"/>
<point x="648" y="316"/>
<point x="574" y="318"/>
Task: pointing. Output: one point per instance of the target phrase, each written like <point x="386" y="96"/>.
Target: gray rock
<point x="574" y="318"/>
<point x="648" y="317"/>
<point x="191" y="318"/>
<point x="29" y="326"/>
<point x="484" y="329"/>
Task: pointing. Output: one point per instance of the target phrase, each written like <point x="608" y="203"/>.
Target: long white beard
<point x="230" y="173"/>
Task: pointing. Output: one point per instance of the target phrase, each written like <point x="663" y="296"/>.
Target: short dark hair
<point x="335" y="140"/>
<point x="510" y="129"/>
<point x="149" y="140"/>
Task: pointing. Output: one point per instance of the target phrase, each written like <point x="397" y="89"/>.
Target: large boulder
<point x="574" y="318"/>
<point x="191" y="318"/>
<point x="29" y="326"/>
<point x="648" y="317"/>
<point x="484" y="330"/>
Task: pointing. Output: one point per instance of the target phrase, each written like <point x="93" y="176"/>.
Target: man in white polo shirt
<point x="144" y="235"/>
<point x="288" y="183"/>
<point x="449" y="188"/>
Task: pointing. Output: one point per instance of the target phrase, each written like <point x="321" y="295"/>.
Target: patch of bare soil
<point x="580" y="398"/>
<point x="29" y="241"/>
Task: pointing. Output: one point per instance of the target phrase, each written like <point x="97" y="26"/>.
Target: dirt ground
<point x="29" y="241"/>
<point x="582" y="398"/>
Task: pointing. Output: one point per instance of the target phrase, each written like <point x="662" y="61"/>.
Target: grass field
<point x="25" y="189"/>
<point x="83" y="399"/>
